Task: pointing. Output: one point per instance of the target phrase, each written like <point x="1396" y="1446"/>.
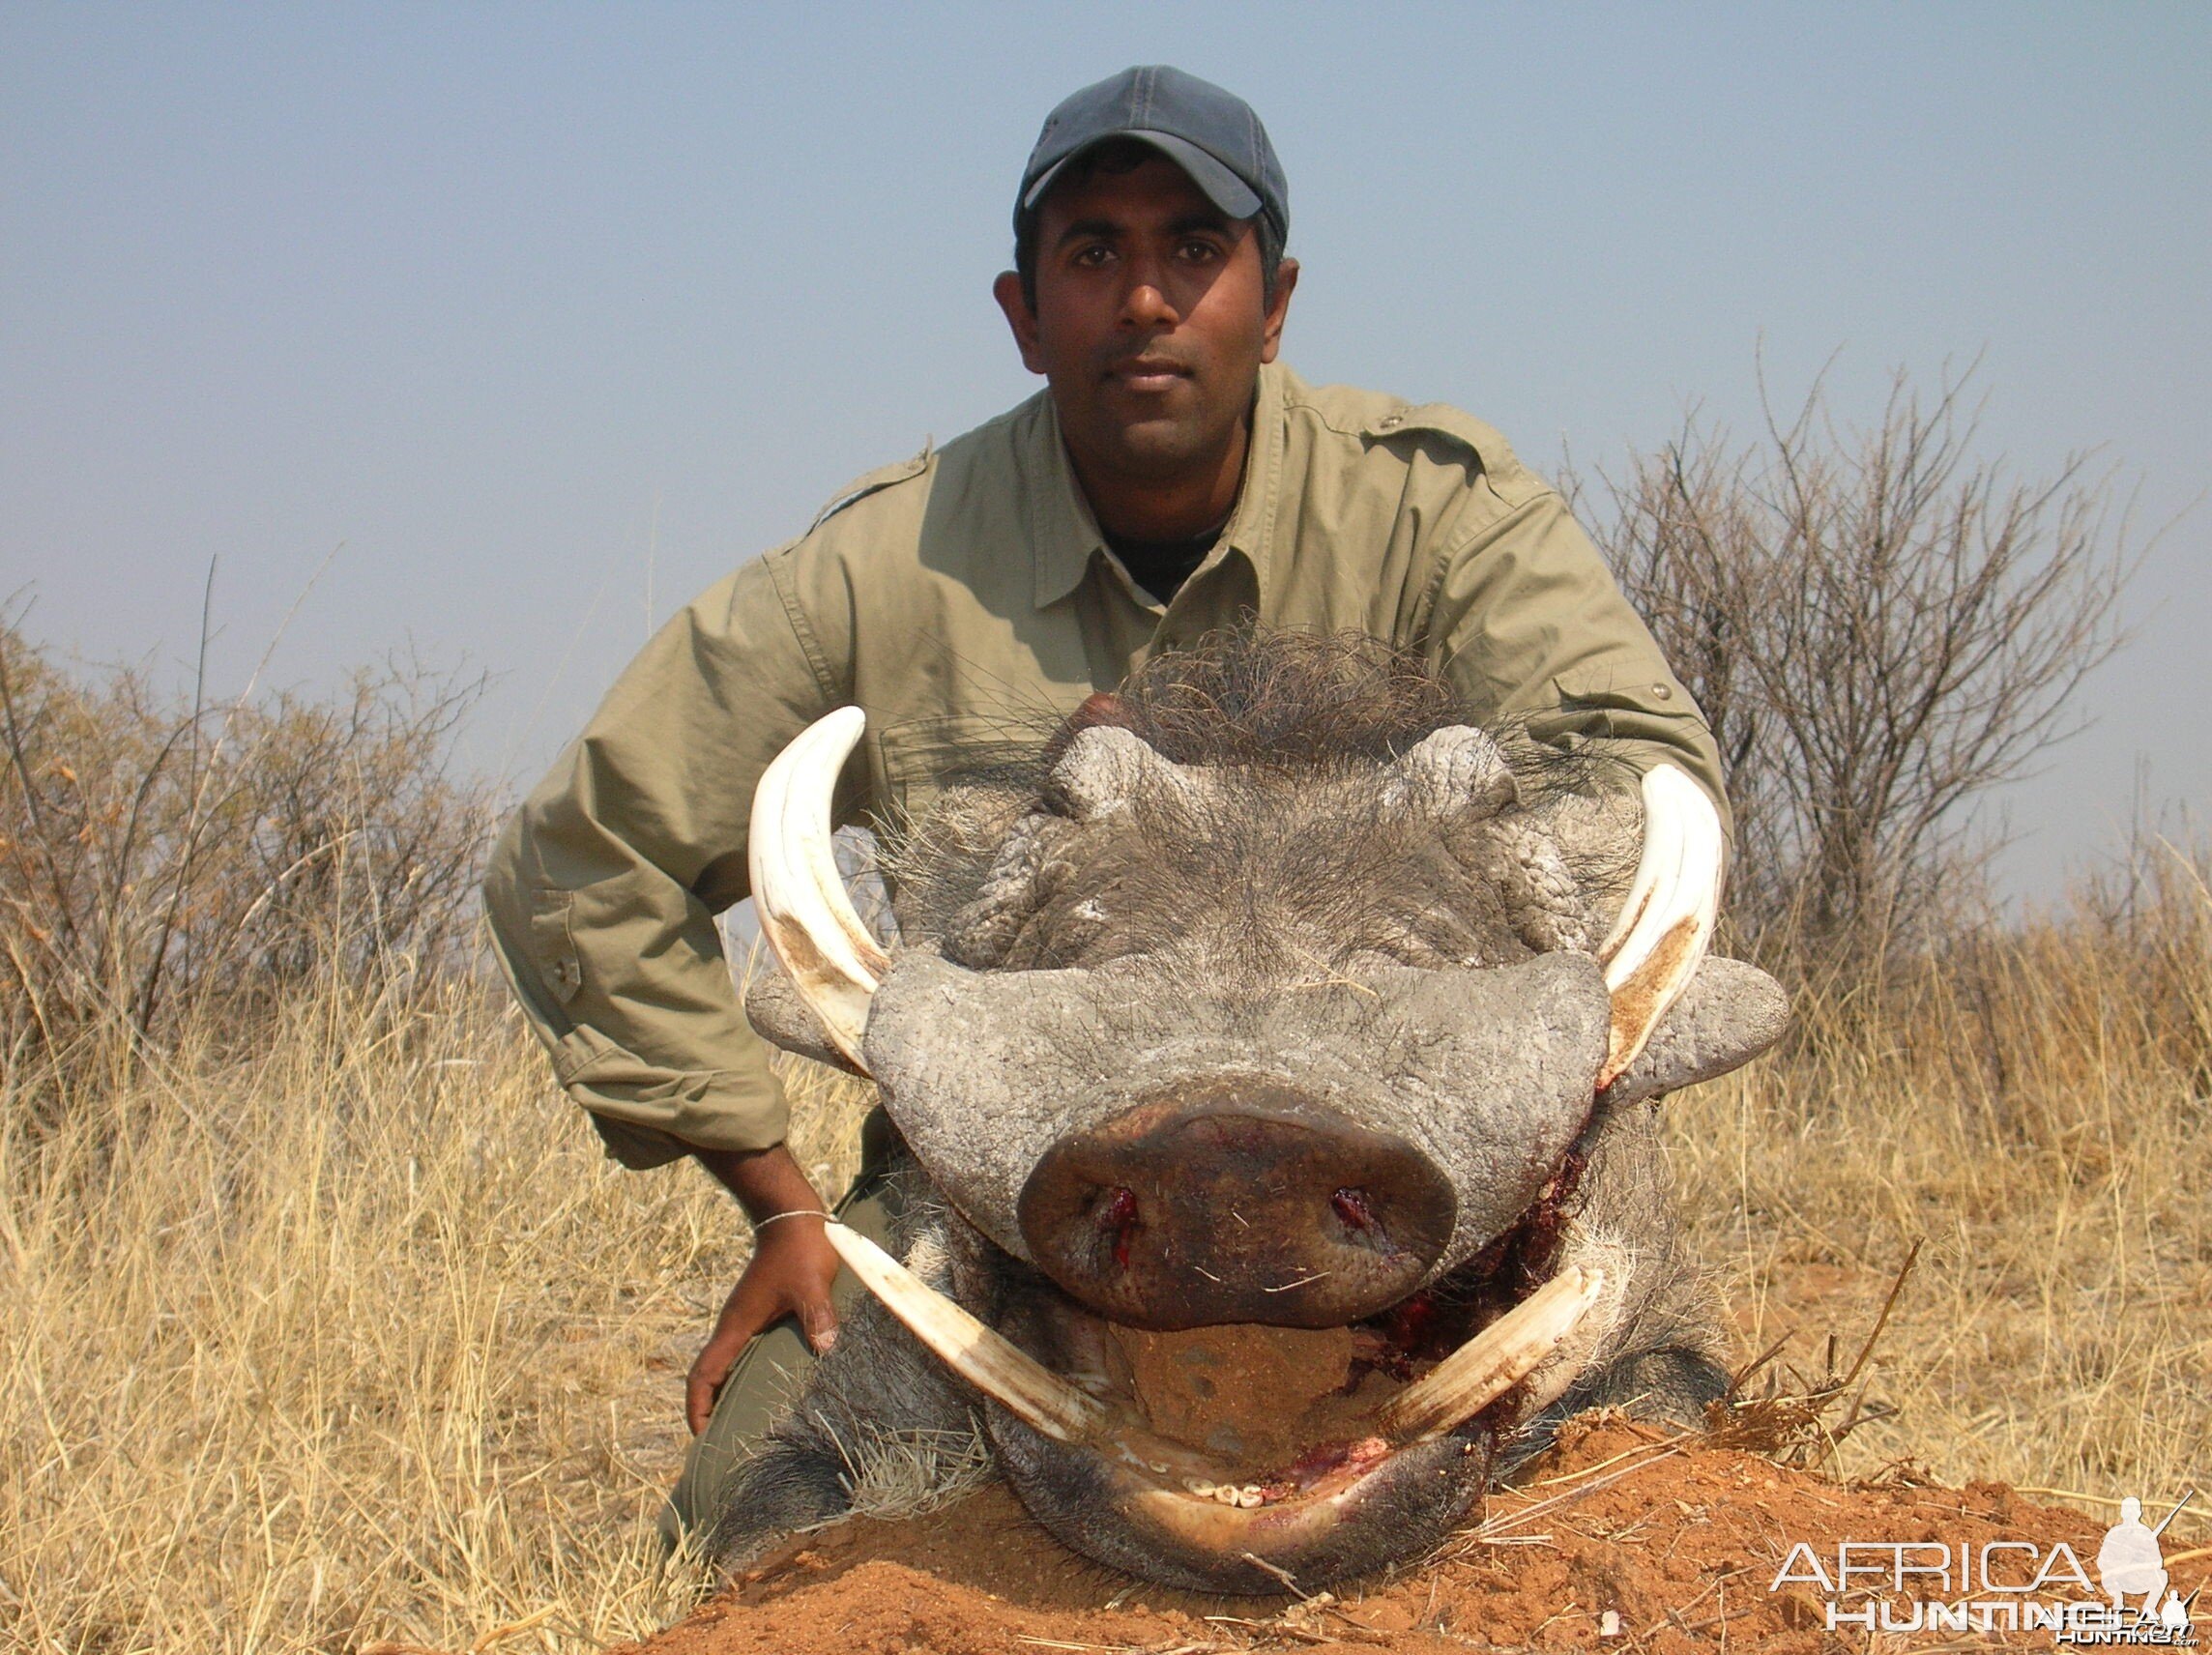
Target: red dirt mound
<point x="1620" y="1540"/>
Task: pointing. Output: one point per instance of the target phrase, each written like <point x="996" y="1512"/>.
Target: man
<point x="1171" y="480"/>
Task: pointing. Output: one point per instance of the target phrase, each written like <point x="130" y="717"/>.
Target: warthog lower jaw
<point x="1466" y="1382"/>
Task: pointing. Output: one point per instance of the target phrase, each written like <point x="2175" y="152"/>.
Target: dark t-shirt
<point x="1161" y="567"/>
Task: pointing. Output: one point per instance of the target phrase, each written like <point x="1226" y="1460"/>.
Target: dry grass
<point x="359" y="1339"/>
<point x="2035" y="1107"/>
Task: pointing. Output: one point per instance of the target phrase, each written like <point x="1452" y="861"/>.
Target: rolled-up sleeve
<point x="1532" y="625"/>
<point x="603" y="889"/>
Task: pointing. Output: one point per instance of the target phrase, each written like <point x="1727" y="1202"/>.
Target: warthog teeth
<point x="805" y="915"/>
<point x="1495" y="1360"/>
<point x="994" y="1365"/>
<point x="1248" y="1497"/>
<point x="1668" y="917"/>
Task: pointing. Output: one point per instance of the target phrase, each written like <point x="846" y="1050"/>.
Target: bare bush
<point x="1880" y="626"/>
<point x="157" y="855"/>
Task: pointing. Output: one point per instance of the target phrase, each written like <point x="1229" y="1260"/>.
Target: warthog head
<point x="1279" y="1050"/>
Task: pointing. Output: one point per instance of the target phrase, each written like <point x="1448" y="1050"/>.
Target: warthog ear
<point x="1099" y="707"/>
<point x="1730" y="1013"/>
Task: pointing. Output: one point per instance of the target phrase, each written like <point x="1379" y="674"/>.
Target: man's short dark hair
<point x="1113" y="157"/>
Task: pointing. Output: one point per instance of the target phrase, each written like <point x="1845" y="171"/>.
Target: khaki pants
<point x="773" y="1369"/>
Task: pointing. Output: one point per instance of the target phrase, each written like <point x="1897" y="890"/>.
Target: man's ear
<point x="1007" y="291"/>
<point x="1286" y="278"/>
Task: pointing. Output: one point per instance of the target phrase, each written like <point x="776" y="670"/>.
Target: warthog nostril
<point x="1351" y="1206"/>
<point x="1117" y="1218"/>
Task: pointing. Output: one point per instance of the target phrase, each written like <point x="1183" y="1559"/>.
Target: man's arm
<point x="791" y="1267"/>
<point x="1529" y="624"/>
<point x="602" y="894"/>
<point x="603" y="889"/>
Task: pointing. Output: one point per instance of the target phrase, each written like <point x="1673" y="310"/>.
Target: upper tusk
<point x="1495" y="1360"/>
<point x="1666" y="922"/>
<point x="805" y="915"/>
<point x="993" y="1364"/>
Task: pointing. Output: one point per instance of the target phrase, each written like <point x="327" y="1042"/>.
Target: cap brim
<point x="1221" y="187"/>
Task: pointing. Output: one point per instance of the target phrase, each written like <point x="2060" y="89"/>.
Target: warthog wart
<point x="1275" y="1058"/>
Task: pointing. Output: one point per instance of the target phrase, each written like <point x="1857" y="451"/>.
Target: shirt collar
<point x="1064" y="534"/>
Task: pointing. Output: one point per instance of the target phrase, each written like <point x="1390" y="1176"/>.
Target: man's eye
<point x="1200" y="252"/>
<point x="1095" y="255"/>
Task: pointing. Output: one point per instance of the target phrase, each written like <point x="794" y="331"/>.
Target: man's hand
<point x="792" y="1266"/>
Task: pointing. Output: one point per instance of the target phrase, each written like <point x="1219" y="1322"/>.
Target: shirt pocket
<point x="919" y="758"/>
<point x="553" y="944"/>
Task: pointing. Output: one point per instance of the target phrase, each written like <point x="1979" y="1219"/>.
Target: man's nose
<point x="1146" y="304"/>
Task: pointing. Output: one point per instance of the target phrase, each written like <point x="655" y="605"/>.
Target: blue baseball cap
<point x="1212" y="135"/>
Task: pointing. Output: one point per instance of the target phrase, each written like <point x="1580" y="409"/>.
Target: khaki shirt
<point x="968" y="592"/>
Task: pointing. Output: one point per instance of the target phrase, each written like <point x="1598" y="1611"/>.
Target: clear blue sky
<point x="543" y="316"/>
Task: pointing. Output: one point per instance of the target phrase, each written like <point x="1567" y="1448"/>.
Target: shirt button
<point x="1389" y="422"/>
<point x="1662" y="692"/>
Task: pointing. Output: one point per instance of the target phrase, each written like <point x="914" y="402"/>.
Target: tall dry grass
<point x="2034" y="1104"/>
<point x="170" y="862"/>
<point x="321" y="1321"/>
<point x="358" y="1338"/>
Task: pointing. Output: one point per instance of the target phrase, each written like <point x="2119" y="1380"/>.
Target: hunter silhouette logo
<point x="2013" y="1586"/>
<point x="2131" y="1563"/>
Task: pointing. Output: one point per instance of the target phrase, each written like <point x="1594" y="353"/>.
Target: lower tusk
<point x="1495" y="1360"/>
<point x="994" y="1365"/>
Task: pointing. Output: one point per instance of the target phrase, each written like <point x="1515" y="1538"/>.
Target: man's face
<point x="1151" y="321"/>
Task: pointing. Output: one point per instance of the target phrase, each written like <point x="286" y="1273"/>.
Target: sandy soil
<point x="1676" y="1546"/>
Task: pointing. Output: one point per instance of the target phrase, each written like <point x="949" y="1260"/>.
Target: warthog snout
<point x="1237" y="1200"/>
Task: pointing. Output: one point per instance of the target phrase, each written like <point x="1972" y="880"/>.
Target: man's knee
<point x="766" y="1376"/>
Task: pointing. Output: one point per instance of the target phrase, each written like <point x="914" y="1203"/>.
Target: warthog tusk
<point x="1668" y="919"/>
<point x="1495" y="1360"/>
<point x="1032" y="1392"/>
<point x="805" y="912"/>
